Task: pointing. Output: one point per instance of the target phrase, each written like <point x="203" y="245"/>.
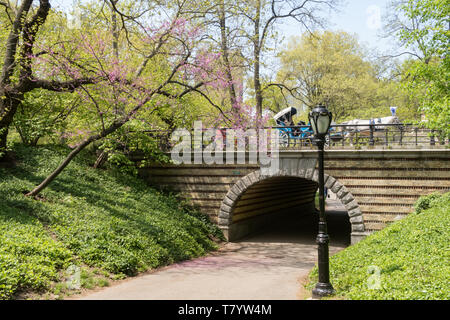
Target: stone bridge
<point x="377" y="187"/>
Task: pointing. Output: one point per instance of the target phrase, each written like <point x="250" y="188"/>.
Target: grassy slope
<point x="411" y="255"/>
<point x="99" y="218"/>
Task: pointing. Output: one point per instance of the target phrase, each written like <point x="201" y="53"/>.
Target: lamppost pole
<point x="320" y="119"/>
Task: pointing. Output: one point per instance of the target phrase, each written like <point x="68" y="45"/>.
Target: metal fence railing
<point x="386" y="136"/>
<point x="366" y="136"/>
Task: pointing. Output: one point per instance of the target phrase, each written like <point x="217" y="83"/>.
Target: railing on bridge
<point x="386" y="136"/>
<point x="365" y="136"/>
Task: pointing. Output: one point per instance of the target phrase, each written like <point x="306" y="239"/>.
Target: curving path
<point x="267" y="266"/>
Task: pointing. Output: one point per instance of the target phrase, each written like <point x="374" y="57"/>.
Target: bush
<point x="426" y="202"/>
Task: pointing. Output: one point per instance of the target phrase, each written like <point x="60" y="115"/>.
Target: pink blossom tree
<point x="160" y="58"/>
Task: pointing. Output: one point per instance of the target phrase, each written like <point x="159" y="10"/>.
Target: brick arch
<point x="240" y="187"/>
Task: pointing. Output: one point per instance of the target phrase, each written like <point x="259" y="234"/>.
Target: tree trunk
<point x="116" y="125"/>
<point x="225" y="54"/>
<point x="101" y="159"/>
<point x="258" y="93"/>
<point x="13" y="40"/>
<point x="115" y="30"/>
<point x="58" y="170"/>
<point x="257" y="63"/>
<point x="8" y="108"/>
<point x="10" y="96"/>
<point x="35" y="141"/>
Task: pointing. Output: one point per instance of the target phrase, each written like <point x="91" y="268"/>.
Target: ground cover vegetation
<point x="405" y="261"/>
<point x="101" y="219"/>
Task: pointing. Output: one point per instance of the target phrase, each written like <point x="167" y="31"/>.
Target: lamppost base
<point x="323" y="290"/>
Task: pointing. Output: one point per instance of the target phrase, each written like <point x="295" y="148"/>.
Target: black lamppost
<point x="320" y="119"/>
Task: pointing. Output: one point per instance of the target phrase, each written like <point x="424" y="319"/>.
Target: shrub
<point x="426" y="202"/>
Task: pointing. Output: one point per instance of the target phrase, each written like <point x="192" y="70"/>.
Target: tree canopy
<point x="422" y="28"/>
<point x="332" y="68"/>
<point x="118" y="69"/>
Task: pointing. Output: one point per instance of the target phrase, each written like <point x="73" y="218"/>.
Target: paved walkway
<point x="267" y="266"/>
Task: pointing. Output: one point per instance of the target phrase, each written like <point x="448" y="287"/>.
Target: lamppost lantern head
<point x="320" y="119"/>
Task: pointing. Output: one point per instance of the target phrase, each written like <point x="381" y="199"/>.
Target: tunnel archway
<point x="258" y="199"/>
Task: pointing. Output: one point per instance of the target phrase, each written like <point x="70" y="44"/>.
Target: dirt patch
<point x="303" y="293"/>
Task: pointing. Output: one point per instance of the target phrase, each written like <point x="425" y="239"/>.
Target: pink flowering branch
<point x="145" y="94"/>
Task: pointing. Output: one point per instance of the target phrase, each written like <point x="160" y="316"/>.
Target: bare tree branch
<point x="401" y="54"/>
<point x="30" y="30"/>
<point x="7" y="7"/>
<point x="191" y="89"/>
<point x="61" y="86"/>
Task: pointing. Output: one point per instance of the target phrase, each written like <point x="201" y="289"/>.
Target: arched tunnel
<point x="283" y="208"/>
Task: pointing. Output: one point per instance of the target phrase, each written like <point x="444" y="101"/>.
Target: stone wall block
<point x="301" y="172"/>
<point x="342" y="192"/>
<point x="358" y="227"/>
<point x="233" y="196"/>
<point x="354" y="212"/>
<point x="229" y="202"/>
<point x="336" y="187"/>
<point x="357" y="219"/>
<point x="309" y="173"/>
<point x="329" y="182"/>
<point x="225" y="208"/>
<point x="254" y="177"/>
<point x="242" y="186"/>
<point x="223" y="222"/>
<point x="348" y="198"/>
<point x="315" y="176"/>
<point x="224" y="215"/>
<point x="352" y="205"/>
<point x="236" y="189"/>
<point x="247" y="182"/>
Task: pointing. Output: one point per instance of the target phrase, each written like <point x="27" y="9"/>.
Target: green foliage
<point x="107" y="219"/>
<point x="333" y="68"/>
<point x="132" y="139"/>
<point x="410" y="255"/>
<point x="431" y="33"/>
<point x="43" y="114"/>
<point x="428" y="78"/>
<point x="29" y="257"/>
<point x="426" y="202"/>
<point x="81" y="53"/>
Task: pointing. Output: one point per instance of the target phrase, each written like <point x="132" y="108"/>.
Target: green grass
<point x="408" y="260"/>
<point x="95" y="218"/>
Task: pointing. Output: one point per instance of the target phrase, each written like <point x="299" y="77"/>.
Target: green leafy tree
<point x="246" y="34"/>
<point x="162" y="60"/>
<point x="44" y="114"/>
<point x="331" y="68"/>
<point x="422" y="28"/>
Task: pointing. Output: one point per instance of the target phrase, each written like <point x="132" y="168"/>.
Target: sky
<point x="361" y="17"/>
